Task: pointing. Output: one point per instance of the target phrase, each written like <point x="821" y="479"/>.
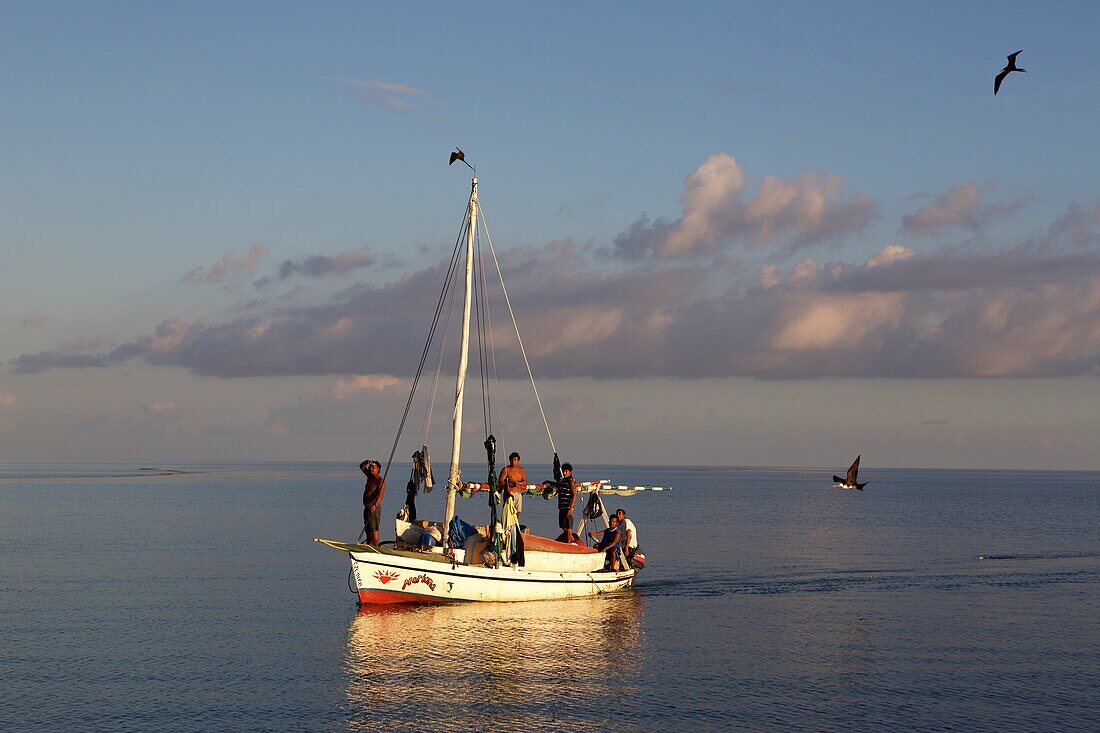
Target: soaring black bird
<point x="1008" y="69"/>
<point x="459" y="155"/>
<point x="850" y="481"/>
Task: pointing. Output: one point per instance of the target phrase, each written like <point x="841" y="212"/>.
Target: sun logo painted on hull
<point x="385" y="576"/>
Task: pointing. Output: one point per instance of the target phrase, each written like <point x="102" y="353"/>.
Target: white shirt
<point x="628" y="528"/>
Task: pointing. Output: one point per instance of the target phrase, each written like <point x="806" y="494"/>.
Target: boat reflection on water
<point x="567" y="665"/>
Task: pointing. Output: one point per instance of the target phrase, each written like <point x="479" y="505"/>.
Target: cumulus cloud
<point x="967" y="268"/>
<point x="1030" y="309"/>
<point x="346" y="387"/>
<point x="227" y="267"/>
<point x="55" y="359"/>
<point x="1079" y="226"/>
<point x="952" y="312"/>
<point x="891" y="253"/>
<point x="72" y="354"/>
<point x="322" y="265"/>
<point x="717" y="213"/>
<point x="959" y="206"/>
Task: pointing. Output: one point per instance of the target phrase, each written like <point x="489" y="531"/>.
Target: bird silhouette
<point x="850" y="481"/>
<point x="459" y="155"/>
<point x="1008" y="69"/>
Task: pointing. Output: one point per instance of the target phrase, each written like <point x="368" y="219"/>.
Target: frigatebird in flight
<point x="850" y="481"/>
<point x="459" y="155"/>
<point x="1008" y="69"/>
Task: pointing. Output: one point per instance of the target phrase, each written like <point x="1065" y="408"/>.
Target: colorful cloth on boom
<point x="469" y="488"/>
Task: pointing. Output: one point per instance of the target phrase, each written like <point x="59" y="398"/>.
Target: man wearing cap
<point x="373" y="492"/>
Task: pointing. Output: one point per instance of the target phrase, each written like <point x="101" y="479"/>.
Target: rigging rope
<point x="479" y="292"/>
<point x="488" y="337"/>
<point x="493" y="355"/>
<point x="438" y="367"/>
<point x="427" y="343"/>
<point x="508" y="301"/>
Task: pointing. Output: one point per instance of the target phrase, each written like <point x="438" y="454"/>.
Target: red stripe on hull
<point x="392" y="596"/>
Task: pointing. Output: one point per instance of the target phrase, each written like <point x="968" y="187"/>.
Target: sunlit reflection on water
<point x="493" y="666"/>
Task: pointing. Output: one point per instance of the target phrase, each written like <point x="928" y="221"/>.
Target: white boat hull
<point x="391" y="578"/>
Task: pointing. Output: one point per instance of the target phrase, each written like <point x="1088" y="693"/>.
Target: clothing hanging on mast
<point x="422" y="469"/>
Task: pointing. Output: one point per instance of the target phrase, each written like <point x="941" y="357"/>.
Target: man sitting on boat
<point x="373" y="491"/>
<point x="513" y="479"/>
<point x="609" y="542"/>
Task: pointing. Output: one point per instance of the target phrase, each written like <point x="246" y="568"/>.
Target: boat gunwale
<point x="500" y="574"/>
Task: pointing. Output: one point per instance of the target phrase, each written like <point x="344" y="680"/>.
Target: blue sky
<point x="792" y="231"/>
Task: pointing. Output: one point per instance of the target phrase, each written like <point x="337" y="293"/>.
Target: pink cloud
<point x="828" y="321"/>
<point x="396" y="87"/>
<point x="959" y="206"/>
<point x="392" y="95"/>
<point x="716" y="212"/>
<point x="316" y="266"/>
<point x="346" y="387"/>
<point x="1014" y="313"/>
<point x="891" y="253"/>
<point x="228" y="266"/>
<point x="1029" y="310"/>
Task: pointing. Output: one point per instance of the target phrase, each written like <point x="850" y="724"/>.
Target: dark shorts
<point x="372" y="519"/>
<point x="565" y="519"/>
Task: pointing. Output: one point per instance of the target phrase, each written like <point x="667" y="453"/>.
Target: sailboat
<point x="483" y="565"/>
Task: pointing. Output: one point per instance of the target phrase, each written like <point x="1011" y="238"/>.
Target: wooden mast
<point x="454" y="479"/>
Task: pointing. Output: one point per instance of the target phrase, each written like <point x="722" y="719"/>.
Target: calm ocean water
<point x="135" y="600"/>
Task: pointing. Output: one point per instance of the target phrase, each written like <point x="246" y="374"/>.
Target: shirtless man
<point x="373" y="492"/>
<point x="513" y="479"/>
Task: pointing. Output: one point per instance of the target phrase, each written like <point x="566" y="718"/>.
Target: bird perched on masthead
<point x="1008" y="69"/>
<point x="459" y="155"/>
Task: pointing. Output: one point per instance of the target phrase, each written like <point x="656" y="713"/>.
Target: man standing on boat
<point x="373" y="492"/>
<point x="513" y="479"/>
<point x="629" y="532"/>
<point x="567" y="498"/>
